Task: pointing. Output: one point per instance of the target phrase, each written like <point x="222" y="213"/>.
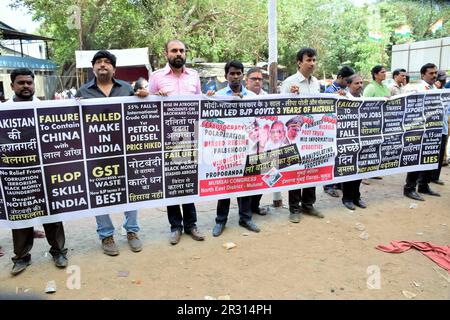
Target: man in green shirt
<point x="376" y="88"/>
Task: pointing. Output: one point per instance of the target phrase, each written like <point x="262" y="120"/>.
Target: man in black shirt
<point x="105" y="85"/>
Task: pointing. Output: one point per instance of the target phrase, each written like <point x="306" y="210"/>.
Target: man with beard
<point x="101" y="86"/>
<point x="303" y="82"/>
<point x="176" y="79"/>
<point x="22" y="83"/>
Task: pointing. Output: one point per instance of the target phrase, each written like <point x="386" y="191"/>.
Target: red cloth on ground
<point x="439" y="254"/>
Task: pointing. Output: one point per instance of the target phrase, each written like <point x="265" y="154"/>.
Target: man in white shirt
<point x="303" y="82"/>
<point x="397" y="87"/>
<point x="428" y="73"/>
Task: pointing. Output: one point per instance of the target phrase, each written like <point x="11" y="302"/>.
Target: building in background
<point x="24" y="50"/>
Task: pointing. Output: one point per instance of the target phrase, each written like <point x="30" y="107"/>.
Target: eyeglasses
<point x="256" y="79"/>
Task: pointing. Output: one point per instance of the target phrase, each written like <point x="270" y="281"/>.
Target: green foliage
<point x="217" y="30"/>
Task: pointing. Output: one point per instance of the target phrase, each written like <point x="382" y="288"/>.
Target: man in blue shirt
<point x="234" y="73"/>
<point x="339" y="86"/>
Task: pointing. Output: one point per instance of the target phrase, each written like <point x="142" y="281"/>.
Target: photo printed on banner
<point x="24" y="193"/>
<point x="145" y="176"/>
<point x="143" y="127"/>
<point x="103" y="130"/>
<point x="18" y="141"/>
<point x="260" y="143"/>
<point x="180" y="125"/>
<point x="107" y="185"/>
<point x="60" y="134"/>
<point x="66" y="187"/>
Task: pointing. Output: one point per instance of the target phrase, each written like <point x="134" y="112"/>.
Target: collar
<point x="93" y="83"/>
<point x="168" y="70"/>
<point x="336" y="85"/>
<point x="13" y="99"/>
<point x="427" y="85"/>
<point x="244" y="90"/>
<point x="377" y="84"/>
<point x="302" y="77"/>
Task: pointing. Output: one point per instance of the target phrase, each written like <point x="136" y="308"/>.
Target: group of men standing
<point x="176" y="79"/>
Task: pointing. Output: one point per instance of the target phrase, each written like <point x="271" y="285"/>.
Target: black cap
<point x="294" y="121"/>
<point x="104" y="54"/>
<point x="441" y="76"/>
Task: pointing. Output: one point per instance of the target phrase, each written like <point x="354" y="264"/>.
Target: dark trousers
<point x="23" y="241"/>
<point x="350" y="190"/>
<point x="245" y="209"/>
<point x="422" y="178"/>
<point x="332" y="186"/>
<point x="178" y="220"/>
<point x="306" y="196"/>
<point x="254" y="202"/>
<point x="435" y="174"/>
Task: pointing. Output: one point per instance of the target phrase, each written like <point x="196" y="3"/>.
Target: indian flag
<point x="403" y="31"/>
<point x="437" y="25"/>
<point x="375" y="36"/>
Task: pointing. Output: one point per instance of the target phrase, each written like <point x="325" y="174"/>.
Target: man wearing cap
<point x="293" y="128"/>
<point x="101" y="86"/>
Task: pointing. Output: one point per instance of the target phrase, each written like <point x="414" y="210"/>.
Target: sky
<point x="17" y="19"/>
<point x="22" y="21"/>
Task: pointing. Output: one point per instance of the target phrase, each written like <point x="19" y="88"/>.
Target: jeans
<point x="105" y="227"/>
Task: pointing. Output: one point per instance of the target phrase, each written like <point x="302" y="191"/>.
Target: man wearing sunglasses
<point x="255" y="81"/>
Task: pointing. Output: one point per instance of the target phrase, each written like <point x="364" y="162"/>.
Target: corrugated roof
<point x="13" y="62"/>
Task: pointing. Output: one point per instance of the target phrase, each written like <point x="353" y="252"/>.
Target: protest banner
<point x="69" y="159"/>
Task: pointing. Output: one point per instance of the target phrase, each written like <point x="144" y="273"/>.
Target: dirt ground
<point x="315" y="259"/>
